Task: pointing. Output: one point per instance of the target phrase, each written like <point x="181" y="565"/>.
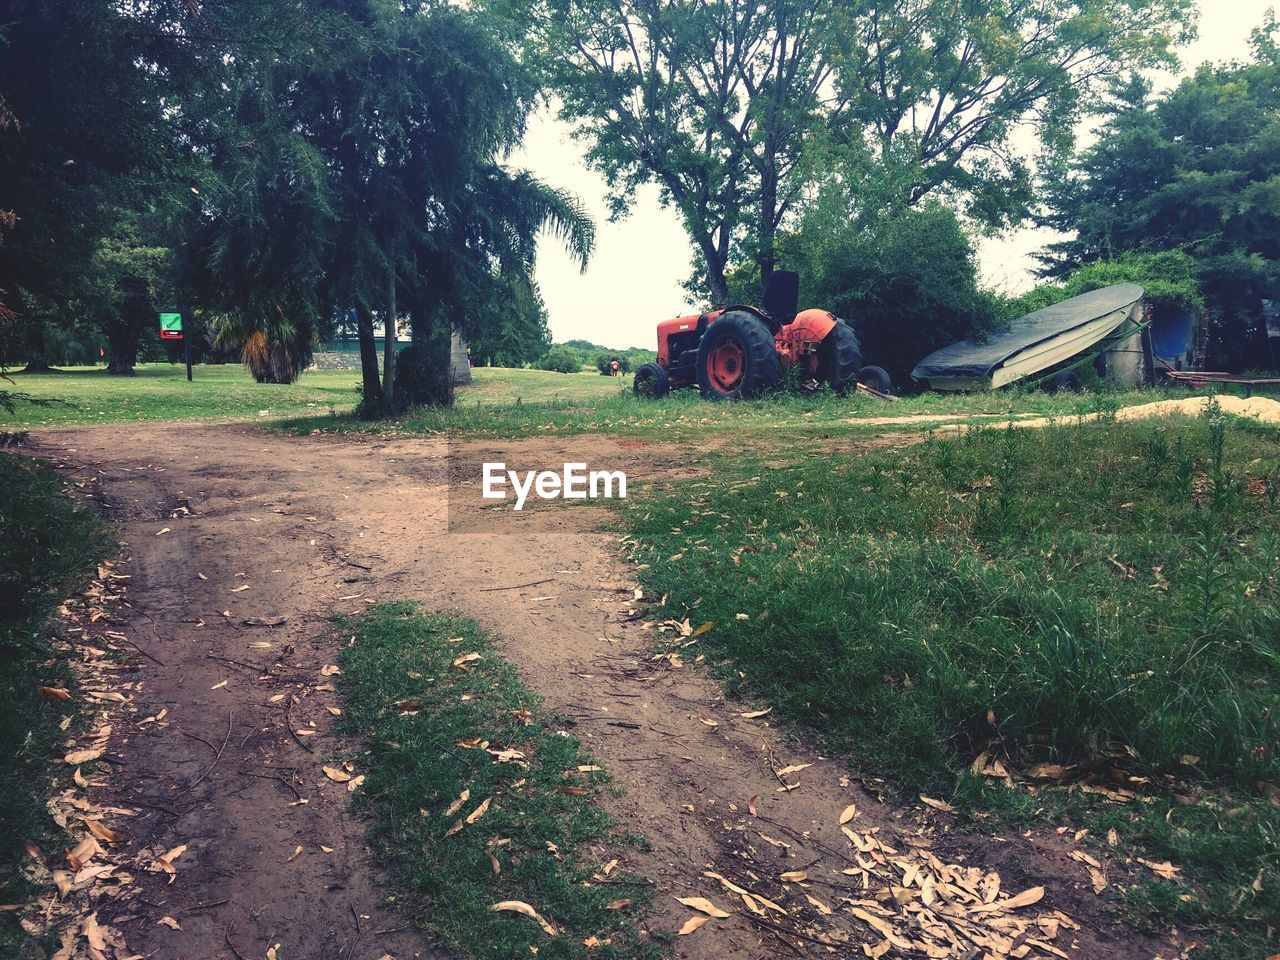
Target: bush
<point x="1169" y="279"/>
<point x="906" y="280"/>
<point x="604" y="363"/>
<point x="561" y="359"/>
<point x="48" y="547"/>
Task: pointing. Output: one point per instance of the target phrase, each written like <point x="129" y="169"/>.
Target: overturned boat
<point x="1037" y="342"/>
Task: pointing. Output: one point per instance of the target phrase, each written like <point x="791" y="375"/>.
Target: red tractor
<point x="741" y="351"/>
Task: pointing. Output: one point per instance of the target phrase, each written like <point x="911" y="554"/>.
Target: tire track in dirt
<point x="318" y="525"/>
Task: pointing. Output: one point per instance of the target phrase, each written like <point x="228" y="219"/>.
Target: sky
<point x="635" y="275"/>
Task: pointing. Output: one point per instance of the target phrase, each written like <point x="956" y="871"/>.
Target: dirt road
<point x="224" y="525"/>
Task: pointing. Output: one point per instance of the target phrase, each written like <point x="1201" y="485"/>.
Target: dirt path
<point x="312" y="526"/>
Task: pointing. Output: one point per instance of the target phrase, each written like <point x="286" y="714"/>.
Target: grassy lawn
<point x="48" y="548"/>
<point x="1101" y="600"/>
<point x="476" y="801"/>
<point x="510" y="404"/>
<point x="160" y="392"/>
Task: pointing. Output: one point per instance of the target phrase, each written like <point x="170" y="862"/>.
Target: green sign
<point x="170" y="326"/>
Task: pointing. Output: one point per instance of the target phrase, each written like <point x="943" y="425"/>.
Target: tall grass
<point x="1101" y="594"/>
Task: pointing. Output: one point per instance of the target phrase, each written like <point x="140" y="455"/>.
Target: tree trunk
<point x="122" y="350"/>
<point x="767" y="226"/>
<point x="389" y="343"/>
<point x="716" y="283"/>
<point x="37" y="358"/>
<point x="124" y="330"/>
<point x="372" y="386"/>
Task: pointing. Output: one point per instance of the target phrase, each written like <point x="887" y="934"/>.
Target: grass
<point x="48" y="547"/>
<point x="684" y="417"/>
<point x="89" y="395"/>
<point x="427" y="723"/>
<point x="1104" y="595"/>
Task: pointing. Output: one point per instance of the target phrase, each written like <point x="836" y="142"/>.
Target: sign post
<point x="173" y="328"/>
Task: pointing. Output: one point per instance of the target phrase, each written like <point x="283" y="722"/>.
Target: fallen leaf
<point x="163" y="531"/>
<point x="793" y="876"/>
<point x="461" y="663"/>
<point x="55" y="693"/>
<point x="336" y="775"/>
<point x="848" y="813"/>
<point x="297" y="852"/>
<point x="329" y="670"/>
<point x="102" y="833"/>
<point x="1024" y="899"/>
<point x="619" y="904"/>
<point x="169" y="922"/>
<point x="818" y="905"/>
<point x="457" y="804"/>
<point x="1098" y="879"/>
<point x="1165" y="869"/>
<point x="937" y="804"/>
<point x="354" y="784"/>
<point x="479" y="811"/>
<point x="794" y="768"/>
<point x="219" y="686"/>
<point x="752" y="714"/>
<point x="82" y="756"/>
<point x="522" y="908"/>
<point x="240" y="589"/>
<point x="708" y="721"/>
<point x="702" y="629"/>
<point x="703" y="905"/>
<point x="692" y="924"/>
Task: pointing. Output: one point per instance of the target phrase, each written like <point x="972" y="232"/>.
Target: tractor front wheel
<point x="839" y="357"/>
<point x="651" y="381"/>
<point x="737" y="358"/>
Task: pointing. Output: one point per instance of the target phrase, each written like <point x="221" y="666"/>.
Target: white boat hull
<point x="1043" y="355"/>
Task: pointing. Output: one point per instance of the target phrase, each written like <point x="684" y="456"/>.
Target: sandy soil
<point x="317" y="525"/>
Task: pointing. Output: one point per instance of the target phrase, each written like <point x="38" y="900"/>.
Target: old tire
<point x="877" y="378"/>
<point x="736" y="358"/>
<point x="839" y="357"/>
<point x="651" y="382"/>
<point x="1065" y="382"/>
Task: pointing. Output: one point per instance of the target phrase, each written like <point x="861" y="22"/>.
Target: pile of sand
<point x="1263" y="409"/>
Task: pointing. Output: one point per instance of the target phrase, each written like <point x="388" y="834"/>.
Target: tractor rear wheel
<point x="839" y="357"/>
<point x="651" y="381"/>
<point x="737" y="358"/>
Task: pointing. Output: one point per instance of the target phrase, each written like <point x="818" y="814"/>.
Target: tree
<point x="907" y="280"/>
<point x="517" y="332"/>
<point x="1196" y="170"/>
<point x="84" y="136"/>
<point x="359" y="171"/>
<point x="735" y="108"/>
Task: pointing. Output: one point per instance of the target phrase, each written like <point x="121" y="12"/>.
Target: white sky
<point x="634" y="278"/>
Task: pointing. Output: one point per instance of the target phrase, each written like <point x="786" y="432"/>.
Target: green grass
<point x="684" y="417"/>
<point x="89" y="395"/>
<point x="1100" y="594"/>
<point x="541" y="810"/>
<point x="48" y="548"/>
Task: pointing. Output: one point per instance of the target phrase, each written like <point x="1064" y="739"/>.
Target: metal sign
<point x="170" y="326"/>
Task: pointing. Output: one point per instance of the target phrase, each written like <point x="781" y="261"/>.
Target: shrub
<point x="561" y="359"/>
